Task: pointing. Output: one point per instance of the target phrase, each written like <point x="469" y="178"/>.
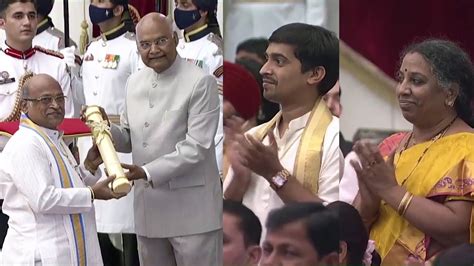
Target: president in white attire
<point x="171" y="117"/>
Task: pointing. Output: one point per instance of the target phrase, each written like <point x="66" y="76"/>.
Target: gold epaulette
<point x="49" y="52"/>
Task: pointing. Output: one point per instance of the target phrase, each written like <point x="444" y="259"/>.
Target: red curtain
<point x="147" y="6"/>
<point x="379" y="30"/>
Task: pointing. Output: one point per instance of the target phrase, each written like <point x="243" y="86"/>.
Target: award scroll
<point x="102" y="137"/>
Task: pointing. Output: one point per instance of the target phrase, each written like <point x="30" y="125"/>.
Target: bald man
<point x="171" y="117"/>
<point x="48" y="196"/>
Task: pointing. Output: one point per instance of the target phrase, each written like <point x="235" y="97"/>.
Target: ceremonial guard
<point x="202" y="45"/>
<point x="47" y="35"/>
<point x="15" y="62"/>
<point x="107" y="63"/>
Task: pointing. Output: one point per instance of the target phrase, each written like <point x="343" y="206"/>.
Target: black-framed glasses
<point x="47" y="100"/>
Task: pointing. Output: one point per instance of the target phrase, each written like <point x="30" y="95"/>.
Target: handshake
<point x="118" y="183"/>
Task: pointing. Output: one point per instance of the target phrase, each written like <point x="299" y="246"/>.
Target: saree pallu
<point x="445" y="173"/>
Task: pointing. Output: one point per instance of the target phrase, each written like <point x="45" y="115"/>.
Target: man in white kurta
<point x="50" y="207"/>
<point x="295" y="156"/>
<point x="40" y="224"/>
<point x="261" y="198"/>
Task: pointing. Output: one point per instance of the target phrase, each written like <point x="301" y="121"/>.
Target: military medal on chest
<point x="111" y="61"/>
<point x="5" y="78"/>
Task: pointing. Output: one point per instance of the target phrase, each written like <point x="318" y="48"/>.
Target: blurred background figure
<point x="267" y="109"/>
<point x="242" y="232"/>
<point x="241" y="98"/>
<point x="252" y="49"/>
<point x="246" y="19"/>
<point x="48" y="36"/>
<point x="333" y="101"/>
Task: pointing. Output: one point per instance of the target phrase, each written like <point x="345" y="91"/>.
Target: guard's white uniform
<point x="3" y="37"/>
<point x="38" y="60"/>
<point x="107" y="64"/>
<point x="49" y="37"/>
<point x="204" y="49"/>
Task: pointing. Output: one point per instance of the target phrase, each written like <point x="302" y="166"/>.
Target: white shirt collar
<point x="54" y="135"/>
<point x="295" y="124"/>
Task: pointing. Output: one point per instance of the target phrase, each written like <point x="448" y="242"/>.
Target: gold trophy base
<point x="120" y="185"/>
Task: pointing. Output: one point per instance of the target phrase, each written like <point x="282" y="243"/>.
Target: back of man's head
<point x="322" y="227"/>
<point x="256" y="46"/>
<point x="462" y="255"/>
<point x="4" y="4"/>
<point x="44" y="7"/>
<point x="314" y="46"/>
<point x="352" y="232"/>
<point x="249" y="223"/>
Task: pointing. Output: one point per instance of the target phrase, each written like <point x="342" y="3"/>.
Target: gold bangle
<point x="92" y="193"/>
<point x="403" y="202"/>
<point x="406" y="205"/>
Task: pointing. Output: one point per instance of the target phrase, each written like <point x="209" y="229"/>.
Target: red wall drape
<point x="379" y="30"/>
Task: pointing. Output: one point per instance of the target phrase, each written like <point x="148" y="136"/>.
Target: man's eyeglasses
<point x="160" y="42"/>
<point x="47" y="100"/>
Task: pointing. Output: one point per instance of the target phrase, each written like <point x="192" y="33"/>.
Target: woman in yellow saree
<point x="416" y="190"/>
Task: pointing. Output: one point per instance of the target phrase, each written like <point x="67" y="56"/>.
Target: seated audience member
<point x="462" y="255"/>
<point x="305" y="234"/>
<point x="267" y="109"/>
<point x="353" y="234"/>
<point x="242" y="232"/>
<point x="253" y="48"/>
